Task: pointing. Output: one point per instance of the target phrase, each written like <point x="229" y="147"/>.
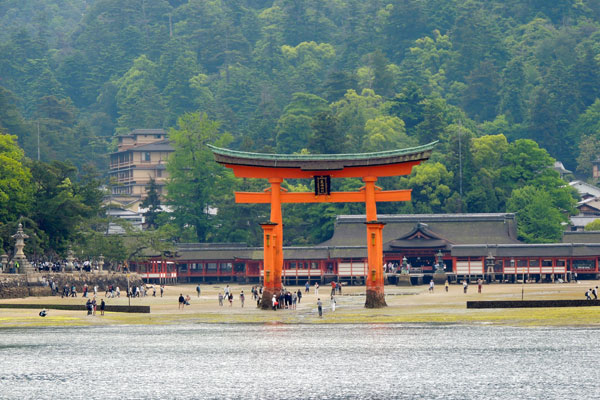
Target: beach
<point x="414" y="304"/>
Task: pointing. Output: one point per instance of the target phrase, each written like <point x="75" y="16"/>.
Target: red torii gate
<point x="322" y="167"/>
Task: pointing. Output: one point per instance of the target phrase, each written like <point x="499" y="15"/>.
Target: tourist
<point x="465" y="286"/>
<point x="88" y="305"/>
<point x="118" y="291"/>
<point x="94" y="305"/>
<point x="431" y="285"/>
<point x="479" y="284"/>
<point x="587" y="294"/>
<point x="102" y="306"/>
<point x="595" y="293"/>
<point x="198" y="290"/>
<point x="339" y="288"/>
<point x="187" y="300"/>
<point x="230" y="299"/>
<point x="320" y="307"/>
<point x="220" y="298"/>
<point x="294" y="300"/>
<point x="95" y="290"/>
<point x="446" y="285"/>
<point x="73" y="291"/>
<point x="306" y="287"/>
<point x="181" y="301"/>
<point x="153" y="291"/>
<point x="226" y="291"/>
<point x="316" y="288"/>
<point x="85" y="289"/>
<point x="162" y="290"/>
<point x="333" y="288"/>
<point x="242" y="298"/>
<point x="332" y="303"/>
<point x="299" y="295"/>
<point x="274" y="301"/>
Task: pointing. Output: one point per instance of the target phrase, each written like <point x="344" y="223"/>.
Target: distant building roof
<point x="585" y="188"/>
<point x="161" y="145"/>
<point x="581" y="237"/>
<point x="560" y="168"/>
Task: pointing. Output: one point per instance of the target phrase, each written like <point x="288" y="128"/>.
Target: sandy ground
<point x="405" y="305"/>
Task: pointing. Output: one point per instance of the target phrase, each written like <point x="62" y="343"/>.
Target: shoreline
<point x="413" y="305"/>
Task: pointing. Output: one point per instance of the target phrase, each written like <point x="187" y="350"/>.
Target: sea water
<point x="251" y="361"/>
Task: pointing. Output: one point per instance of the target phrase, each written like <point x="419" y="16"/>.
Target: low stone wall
<point x="36" y="284"/>
<point x="532" y="303"/>
<point x="79" y="307"/>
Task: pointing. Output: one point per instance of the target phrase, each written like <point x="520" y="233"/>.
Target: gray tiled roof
<point x="497" y="228"/>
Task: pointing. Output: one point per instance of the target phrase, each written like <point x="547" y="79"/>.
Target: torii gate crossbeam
<point x="322" y="167"/>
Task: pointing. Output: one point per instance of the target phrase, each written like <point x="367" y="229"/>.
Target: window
<point x="584" y="264"/>
<point x="561" y="263"/>
<point x="197" y="267"/>
<point x="521" y="263"/>
<point x="211" y="267"/>
<point x="534" y="263"/>
<point x="546" y="263"/>
<point x="146" y="156"/>
<point x="159" y="173"/>
<point x="240" y="268"/>
<point x="182" y="267"/>
<point x="226" y="267"/>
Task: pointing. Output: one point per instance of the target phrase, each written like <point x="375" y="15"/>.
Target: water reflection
<point x="299" y="362"/>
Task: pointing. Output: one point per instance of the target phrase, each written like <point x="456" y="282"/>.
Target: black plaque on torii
<point x="322" y="185"/>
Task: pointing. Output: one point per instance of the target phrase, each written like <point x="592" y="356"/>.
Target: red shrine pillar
<point x="374" y="279"/>
<point x="271" y="280"/>
<point x="278" y="230"/>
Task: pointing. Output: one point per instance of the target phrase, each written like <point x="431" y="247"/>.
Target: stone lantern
<point x="19" y="260"/>
<point x="100" y="263"/>
<point x="439" y="275"/>
<point x="3" y="262"/>
<point x="490" y="262"/>
<point x="70" y="259"/>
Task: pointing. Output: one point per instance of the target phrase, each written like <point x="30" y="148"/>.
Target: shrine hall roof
<point x="311" y="162"/>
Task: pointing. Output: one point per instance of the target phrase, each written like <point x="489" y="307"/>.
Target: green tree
<point x="593" y="226"/>
<point x="15" y="189"/>
<point x="196" y="182"/>
<point x="294" y="125"/>
<point x="325" y="138"/>
<point x="152" y="204"/>
<point x="538" y="221"/>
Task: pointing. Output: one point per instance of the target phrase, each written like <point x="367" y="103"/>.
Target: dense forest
<point x="506" y="86"/>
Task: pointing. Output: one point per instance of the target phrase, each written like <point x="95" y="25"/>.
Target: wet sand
<point x="405" y="305"/>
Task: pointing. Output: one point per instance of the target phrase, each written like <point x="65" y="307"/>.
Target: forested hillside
<point x="505" y="86"/>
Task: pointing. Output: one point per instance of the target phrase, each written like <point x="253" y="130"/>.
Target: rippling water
<point x="299" y="362"/>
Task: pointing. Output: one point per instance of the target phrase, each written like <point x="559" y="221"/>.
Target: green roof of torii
<point x="322" y="161"/>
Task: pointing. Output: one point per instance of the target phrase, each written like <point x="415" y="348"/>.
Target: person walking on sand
<point x="465" y="286"/>
<point x="102" y="306"/>
<point x="306" y="287"/>
<point x="198" y="290"/>
<point x="162" y="289"/>
<point x="316" y="288"/>
<point x="242" y="298"/>
<point x="332" y="288"/>
<point x="431" y="285"/>
<point x="299" y="295"/>
<point x="181" y="301"/>
<point x="446" y="285"/>
<point x="320" y="307"/>
<point x="479" y="284"/>
<point x="274" y="301"/>
<point x="595" y="293"/>
<point x="587" y="294"/>
<point x="333" y="303"/>
<point x="221" y="299"/>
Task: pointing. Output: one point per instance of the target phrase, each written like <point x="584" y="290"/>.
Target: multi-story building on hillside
<point x="141" y="156"/>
